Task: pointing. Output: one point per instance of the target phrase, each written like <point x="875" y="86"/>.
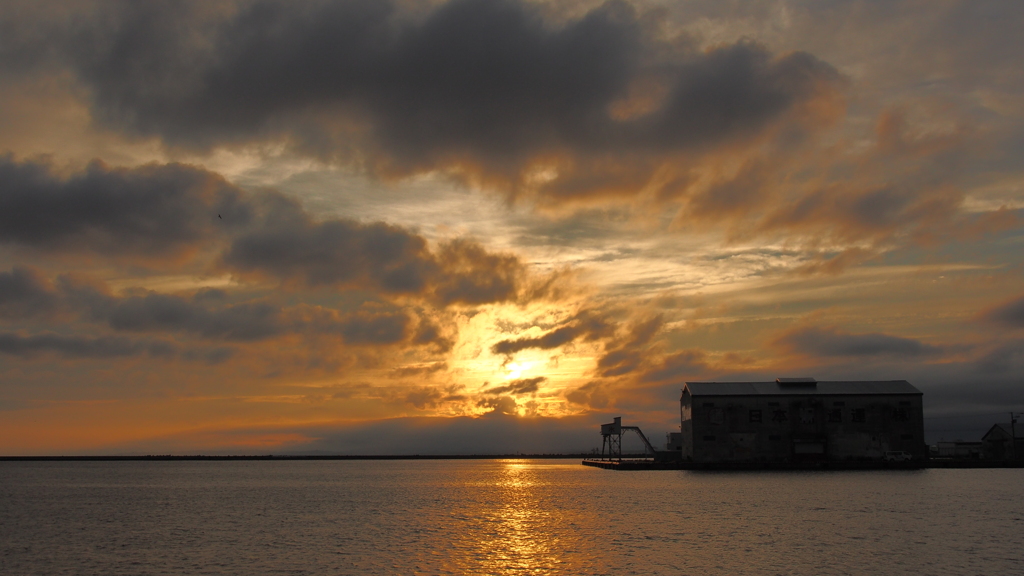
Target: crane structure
<point x="611" y="434"/>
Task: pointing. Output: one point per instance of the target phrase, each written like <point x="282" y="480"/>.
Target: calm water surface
<point x="501" y="517"/>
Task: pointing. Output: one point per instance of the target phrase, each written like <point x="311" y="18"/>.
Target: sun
<point x="515" y="369"/>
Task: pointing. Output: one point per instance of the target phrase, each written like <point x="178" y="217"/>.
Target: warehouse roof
<point x="1005" y="430"/>
<point x="801" y="387"/>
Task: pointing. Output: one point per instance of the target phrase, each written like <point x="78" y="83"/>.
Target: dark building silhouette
<point x="800" y="419"/>
<point x="958" y="450"/>
<point x="996" y="443"/>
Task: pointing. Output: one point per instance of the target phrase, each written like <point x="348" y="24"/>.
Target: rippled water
<point x="501" y="517"/>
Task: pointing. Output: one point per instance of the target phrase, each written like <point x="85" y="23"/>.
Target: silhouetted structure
<point x="795" y="420"/>
<point x="996" y="444"/>
<point x="959" y="450"/>
<point x="611" y="436"/>
<point x="674" y="442"/>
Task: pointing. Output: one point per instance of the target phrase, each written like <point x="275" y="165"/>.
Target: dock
<point x="641" y="464"/>
<point x="649" y="464"/>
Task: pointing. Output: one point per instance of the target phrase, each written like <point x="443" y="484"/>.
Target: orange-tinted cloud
<point x="517" y="387"/>
<point x="589" y="325"/>
<point x="166" y="214"/>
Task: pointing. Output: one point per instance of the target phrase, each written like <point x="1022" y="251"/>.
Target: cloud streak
<point x="833" y="342"/>
<point x="517" y="387"/>
<point x="78" y="346"/>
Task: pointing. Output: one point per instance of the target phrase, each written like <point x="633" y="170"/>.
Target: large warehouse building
<point x="800" y="419"/>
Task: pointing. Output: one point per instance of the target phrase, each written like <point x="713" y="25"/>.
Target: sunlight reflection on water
<point x="500" y="517"/>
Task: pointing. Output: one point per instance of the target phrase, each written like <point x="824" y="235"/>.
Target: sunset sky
<point x="385" y="226"/>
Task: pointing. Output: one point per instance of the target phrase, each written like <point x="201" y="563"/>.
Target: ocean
<point x="501" y="517"/>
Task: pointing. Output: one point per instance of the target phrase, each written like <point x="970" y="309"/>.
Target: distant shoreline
<point x="169" y="457"/>
<point x="627" y="463"/>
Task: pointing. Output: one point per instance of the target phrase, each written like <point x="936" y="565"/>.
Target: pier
<point x="649" y="464"/>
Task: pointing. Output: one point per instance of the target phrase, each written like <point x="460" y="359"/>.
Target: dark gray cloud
<point x="592" y="394"/>
<point x="484" y="83"/>
<point x="291" y="246"/>
<point x="588" y="325"/>
<point x="677" y="367"/>
<point x="211" y="356"/>
<point x="500" y="405"/>
<point x="421" y="370"/>
<point x="859" y="210"/>
<point x="553" y="339"/>
<point x="516" y="387"/>
<point x="631" y="351"/>
<point x="831" y="341"/>
<point x="176" y="211"/>
<point x="432" y="396"/>
<point x="374" y="328"/>
<point x="25" y="292"/>
<point x="152" y="210"/>
<point x="210" y="314"/>
<point x="469" y="274"/>
<point x="206" y="316"/>
<point x="1010" y="314"/>
<point x="100" y="347"/>
<point x="163" y="312"/>
<point x="82" y="346"/>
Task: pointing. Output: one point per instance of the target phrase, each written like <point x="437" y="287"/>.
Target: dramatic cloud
<point x="165" y="312"/>
<point x="178" y="210"/>
<point x="604" y="105"/>
<point x="831" y="341"/>
<point x="205" y="314"/>
<point x="587" y="325"/>
<point x="486" y="88"/>
<point x="626" y="356"/>
<point x="362" y="210"/>
<point x="376" y="256"/>
<point x="154" y="210"/>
